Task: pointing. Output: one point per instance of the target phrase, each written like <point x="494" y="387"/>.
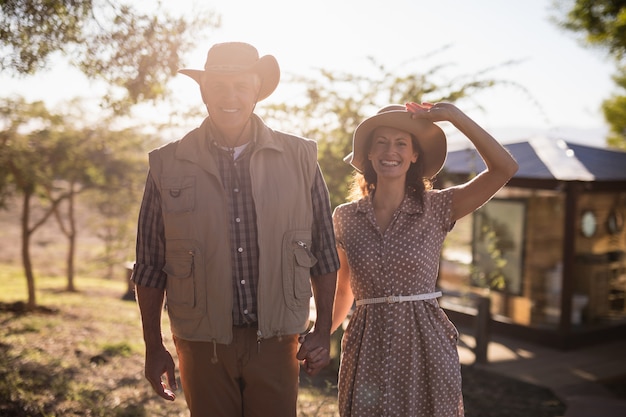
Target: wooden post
<point x="130" y="290"/>
<point x="572" y="194"/>
<point x="481" y="331"/>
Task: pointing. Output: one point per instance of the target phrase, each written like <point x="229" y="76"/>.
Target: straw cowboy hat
<point x="430" y="137"/>
<point x="238" y="57"/>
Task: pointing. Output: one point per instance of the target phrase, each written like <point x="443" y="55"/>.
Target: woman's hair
<point x="365" y="184"/>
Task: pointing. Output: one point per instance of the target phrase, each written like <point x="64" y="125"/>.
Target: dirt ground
<point x="485" y="395"/>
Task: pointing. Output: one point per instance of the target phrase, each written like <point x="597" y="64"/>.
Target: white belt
<point x="398" y="298"/>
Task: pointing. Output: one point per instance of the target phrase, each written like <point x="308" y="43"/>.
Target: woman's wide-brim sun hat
<point x="430" y="137"/>
<point x="235" y="58"/>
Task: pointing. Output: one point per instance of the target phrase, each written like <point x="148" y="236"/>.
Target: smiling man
<point x="235" y="232"/>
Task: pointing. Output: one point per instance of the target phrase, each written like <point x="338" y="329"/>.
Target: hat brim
<point x="430" y="137"/>
<point x="266" y="67"/>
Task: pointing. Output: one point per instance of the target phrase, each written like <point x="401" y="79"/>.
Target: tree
<point x="603" y="23"/>
<point x="135" y="53"/>
<point x="50" y="162"/>
<point x="105" y="162"/>
<point x="24" y="158"/>
<point x="614" y="109"/>
<point x="115" y="206"/>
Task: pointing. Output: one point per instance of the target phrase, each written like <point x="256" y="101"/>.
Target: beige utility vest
<point x="199" y="290"/>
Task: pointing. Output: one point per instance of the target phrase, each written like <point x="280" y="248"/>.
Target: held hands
<point x="314" y="351"/>
<point x="159" y="362"/>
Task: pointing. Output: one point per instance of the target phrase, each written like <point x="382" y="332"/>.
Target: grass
<point x="82" y="355"/>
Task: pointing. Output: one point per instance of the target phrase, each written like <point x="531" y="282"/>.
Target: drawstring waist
<point x="392" y="299"/>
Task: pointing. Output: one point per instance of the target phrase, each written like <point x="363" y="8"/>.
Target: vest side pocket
<point x="297" y="262"/>
<point x="181" y="263"/>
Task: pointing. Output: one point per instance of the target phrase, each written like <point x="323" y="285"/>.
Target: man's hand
<point x="314" y="352"/>
<point x="159" y="362"/>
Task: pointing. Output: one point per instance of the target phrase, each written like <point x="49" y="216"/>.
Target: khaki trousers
<point x="248" y="379"/>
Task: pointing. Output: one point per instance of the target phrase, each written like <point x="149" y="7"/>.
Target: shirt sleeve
<point x="323" y="236"/>
<point x="441" y="207"/>
<point x="338" y="225"/>
<point x="150" y="250"/>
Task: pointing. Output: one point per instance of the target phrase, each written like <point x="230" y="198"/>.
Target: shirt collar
<point x="212" y="134"/>
<point x="197" y="146"/>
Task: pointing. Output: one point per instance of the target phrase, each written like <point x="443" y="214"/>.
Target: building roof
<point x="544" y="158"/>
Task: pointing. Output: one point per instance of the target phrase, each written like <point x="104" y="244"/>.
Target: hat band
<point x="227" y="68"/>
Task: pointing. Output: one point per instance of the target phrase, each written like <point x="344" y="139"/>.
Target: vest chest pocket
<point x="297" y="263"/>
<point x="178" y="194"/>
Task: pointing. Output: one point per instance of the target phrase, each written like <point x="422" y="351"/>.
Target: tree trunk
<point x="71" y="252"/>
<point x="26" y="261"/>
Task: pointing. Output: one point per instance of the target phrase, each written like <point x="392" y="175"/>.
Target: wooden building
<point x="549" y="250"/>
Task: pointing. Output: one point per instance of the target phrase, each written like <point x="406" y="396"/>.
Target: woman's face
<point x="391" y="152"/>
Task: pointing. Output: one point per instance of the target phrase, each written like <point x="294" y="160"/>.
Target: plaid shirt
<point x="236" y="180"/>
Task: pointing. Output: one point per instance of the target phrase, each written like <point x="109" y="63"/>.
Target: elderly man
<point x="235" y="231"/>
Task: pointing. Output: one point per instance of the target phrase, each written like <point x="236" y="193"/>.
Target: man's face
<point x="230" y="99"/>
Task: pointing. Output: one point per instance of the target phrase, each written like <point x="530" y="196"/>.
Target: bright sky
<point x="566" y="82"/>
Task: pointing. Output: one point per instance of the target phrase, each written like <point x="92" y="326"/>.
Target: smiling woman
<point x="389" y="240"/>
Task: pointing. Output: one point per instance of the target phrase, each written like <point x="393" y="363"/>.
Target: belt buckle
<point x="392" y="299"/>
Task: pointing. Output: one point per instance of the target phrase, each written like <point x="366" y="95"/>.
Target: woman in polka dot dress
<point x="399" y="354"/>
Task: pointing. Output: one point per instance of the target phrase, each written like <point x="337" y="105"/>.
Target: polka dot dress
<point x="397" y="359"/>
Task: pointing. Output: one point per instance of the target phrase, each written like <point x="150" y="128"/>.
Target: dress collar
<point x="409" y="205"/>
